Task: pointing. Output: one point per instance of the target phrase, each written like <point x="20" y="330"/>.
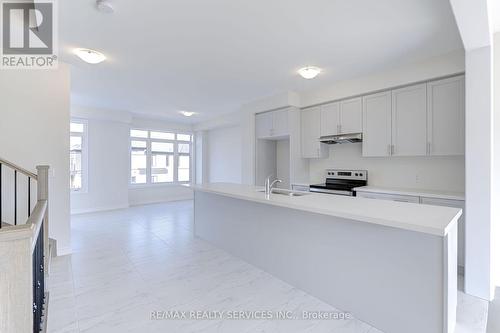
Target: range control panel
<point x="347" y="174"/>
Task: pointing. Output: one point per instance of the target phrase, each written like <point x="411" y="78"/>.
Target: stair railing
<point x="24" y="256"/>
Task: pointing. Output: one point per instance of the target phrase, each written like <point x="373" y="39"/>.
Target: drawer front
<point x="391" y="197"/>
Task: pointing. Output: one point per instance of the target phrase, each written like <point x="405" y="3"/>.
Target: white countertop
<point x="413" y="192"/>
<point x="434" y="220"/>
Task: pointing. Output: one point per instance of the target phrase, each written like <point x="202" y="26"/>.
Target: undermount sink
<point x="285" y="192"/>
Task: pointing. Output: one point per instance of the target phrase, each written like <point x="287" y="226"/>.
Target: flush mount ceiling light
<point x="309" y="72"/>
<point x="104" y="6"/>
<point x="187" y="113"/>
<point x="90" y="56"/>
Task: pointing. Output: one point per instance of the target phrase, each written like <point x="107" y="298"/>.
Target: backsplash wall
<point x="446" y="173"/>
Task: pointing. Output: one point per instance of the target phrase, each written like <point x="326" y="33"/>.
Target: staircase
<point x="24" y="248"/>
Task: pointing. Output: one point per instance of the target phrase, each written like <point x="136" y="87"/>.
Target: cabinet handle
<point x="392" y="149"/>
<point x="428" y="148"/>
<point x="389" y="150"/>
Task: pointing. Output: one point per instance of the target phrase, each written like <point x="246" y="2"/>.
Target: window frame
<point x="149" y="154"/>
<point x="84" y="136"/>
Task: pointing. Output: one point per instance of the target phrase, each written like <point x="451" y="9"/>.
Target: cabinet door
<point x="446" y="116"/>
<point x="377" y="124"/>
<point x="330" y="119"/>
<point x="391" y="197"/>
<point x="351" y="116"/>
<point x="409" y="121"/>
<point x="310" y="133"/>
<point x="263" y="124"/>
<point x="461" y="222"/>
<point x="280" y="123"/>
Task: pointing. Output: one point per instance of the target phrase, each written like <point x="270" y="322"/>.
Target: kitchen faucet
<point x="269" y="185"/>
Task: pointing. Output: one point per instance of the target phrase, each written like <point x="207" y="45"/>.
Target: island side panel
<point x="391" y="278"/>
<point x="450" y="282"/>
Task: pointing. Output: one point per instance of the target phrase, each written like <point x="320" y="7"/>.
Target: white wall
<point x="34" y="130"/>
<point x="432" y="173"/>
<point x="108" y="174"/>
<point x="283" y="162"/>
<point x="224" y="154"/>
<point x="447" y="64"/>
<point x="496" y="160"/>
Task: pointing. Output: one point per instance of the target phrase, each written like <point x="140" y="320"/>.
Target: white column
<point x="478" y="173"/>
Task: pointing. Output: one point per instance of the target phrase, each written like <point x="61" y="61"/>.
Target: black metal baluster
<point x="15" y="197"/>
<point x="29" y="196"/>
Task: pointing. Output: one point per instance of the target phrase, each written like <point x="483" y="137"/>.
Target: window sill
<point x="84" y="191"/>
<point x="157" y="185"/>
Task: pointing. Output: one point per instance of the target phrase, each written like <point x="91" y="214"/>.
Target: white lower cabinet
<point x="461" y="222"/>
<point x="391" y="197"/>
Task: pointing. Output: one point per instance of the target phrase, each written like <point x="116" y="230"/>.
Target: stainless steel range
<point x="341" y="182"/>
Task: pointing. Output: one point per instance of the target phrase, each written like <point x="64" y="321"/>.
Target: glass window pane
<point x="162" y="135"/>
<point x="183" y="137"/>
<point x="75" y="167"/>
<point x="138" y="134"/>
<point x="183" y="148"/>
<point x="162" y="147"/>
<point x="76" y="127"/>
<point x="183" y="169"/>
<point x="138" y="145"/>
<point x="162" y="168"/>
<point x="138" y="165"/>
<point x="75" y="143"/>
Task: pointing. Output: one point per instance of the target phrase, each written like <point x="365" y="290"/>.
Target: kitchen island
<point x="391" y="264"/>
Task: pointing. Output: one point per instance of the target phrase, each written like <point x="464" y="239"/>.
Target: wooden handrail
<point x="29" y="230"/>
<point x="19" y="169"/>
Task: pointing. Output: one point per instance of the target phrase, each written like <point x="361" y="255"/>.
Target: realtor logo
<point x="28" y="34"/>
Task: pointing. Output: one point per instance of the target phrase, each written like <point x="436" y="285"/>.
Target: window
<point x="77" y="155"/>
<point x="159" y="157"/>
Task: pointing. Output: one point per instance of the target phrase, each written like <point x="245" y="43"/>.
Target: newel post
<point x="43" y="194"/>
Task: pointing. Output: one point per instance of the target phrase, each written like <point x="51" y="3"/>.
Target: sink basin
<point x="285" y="192"/>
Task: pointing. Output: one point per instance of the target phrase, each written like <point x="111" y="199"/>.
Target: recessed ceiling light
<point x="309" y="72"/>
<point x="90" y="56"/>
<point x="187" y="113"/>
<point x="104" y="6"/>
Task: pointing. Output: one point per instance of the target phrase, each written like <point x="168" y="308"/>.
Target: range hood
<point x="342" y="138"/>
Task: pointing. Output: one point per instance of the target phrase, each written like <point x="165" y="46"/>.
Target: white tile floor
<point x="128" y="263"/>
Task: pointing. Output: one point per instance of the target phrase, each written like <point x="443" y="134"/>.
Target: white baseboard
<point x="97" y="209"/>
<point x="150" y="202"/>
<point x="63" y="251"/>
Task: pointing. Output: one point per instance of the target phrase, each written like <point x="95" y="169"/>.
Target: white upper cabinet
<point x="351" y="116"/>
<point x="271" y="124"/>
<point x="377" y="124"/>
<point x="409" y="121"/>
<point x="330" y="119"/>
<point x="310" y="133"/>
<point x="446" y="116"/>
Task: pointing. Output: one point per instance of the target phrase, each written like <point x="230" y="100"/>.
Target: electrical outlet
<point x="417" y="178"/>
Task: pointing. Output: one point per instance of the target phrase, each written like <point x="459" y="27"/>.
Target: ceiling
<point x="212" y="56"/>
